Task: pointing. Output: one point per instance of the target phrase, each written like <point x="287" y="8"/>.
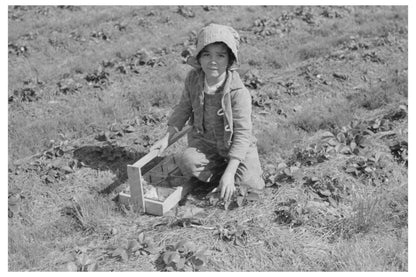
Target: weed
<point x="290" y="213"/>
<point x="312" y="51"/>
<point x="388" y="92"/>
<point x="367" y="214"/>
<point x="82" y="263"/>
<point x="184" y="256"/>
<point x="89" y="212"/>
<point x="325" y="114"/>
<point x="278" y="139"/>
<point x="134" y="247"/>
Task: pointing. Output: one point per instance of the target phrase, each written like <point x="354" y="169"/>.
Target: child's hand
<point x="227" y="186"/>
<point x="160" y="145"/>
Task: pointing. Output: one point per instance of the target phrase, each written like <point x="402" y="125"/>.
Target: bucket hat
<point x="216" y="33"/>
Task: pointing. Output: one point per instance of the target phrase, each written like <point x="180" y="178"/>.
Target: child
<point x="218" y="106"/>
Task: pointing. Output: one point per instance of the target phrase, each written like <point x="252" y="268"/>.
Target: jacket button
<point x="227" y="128"/>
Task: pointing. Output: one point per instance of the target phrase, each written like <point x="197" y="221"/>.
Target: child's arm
<point x="242" y="125"/>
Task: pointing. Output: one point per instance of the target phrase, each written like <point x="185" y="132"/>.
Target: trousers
<point x="203" y="160"/>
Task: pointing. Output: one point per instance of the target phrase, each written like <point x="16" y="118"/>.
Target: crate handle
<point x="153" y="154"/>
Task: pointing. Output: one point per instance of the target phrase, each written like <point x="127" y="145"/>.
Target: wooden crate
<point x="165" y="179"/>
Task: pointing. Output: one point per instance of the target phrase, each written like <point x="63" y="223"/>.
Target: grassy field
<point x="90" y="89"/>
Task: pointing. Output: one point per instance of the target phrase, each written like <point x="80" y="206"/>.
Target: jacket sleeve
<point x="242" y="125"/>
<point x="183" y="110"/>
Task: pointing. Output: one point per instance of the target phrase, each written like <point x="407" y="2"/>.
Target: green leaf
<point x="167" y="257"/>
<point x="180" y="264"/>
<point x="171" y="257"/>
<point x="333" y="142"/>
<point x="71" y="266"/>
<point x="121" y="253"/>
<point x="353" y="145"/>
<point x="368" y="170"/>
<point x="169" y="268"/>
<point x="327" y="134"/>
<point x="130" y="129"/>
<point x="82" y="259"/>
<point x="325" y="192"/>
<point x="174" y="257"/>
<point x="281" y="166"/>
<point x="287" y="171"/>
<point x="377" y="156"/>
<point x="92" y="267"/>
<point x="294" y="169"/>
<point x="332" y="201"/>
<point x="202" y="250"/>
<point x="185" y="246"/>
<point x="252" y="196"/>
<point x="314" y="179"/>
<point x="198" y="260"/>
<point x="240" y="200"/>
<point x="151" y="249"/>
<point x="141" y="237"/>
<point x="67" y="169"/>
<point x="345" y="150"/>
<point x="350" y="169"/>
<point x="133" y="245"/>
<point x="341" y="137"/>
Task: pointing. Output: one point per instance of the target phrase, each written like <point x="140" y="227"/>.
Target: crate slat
<point x="166" y="171"/>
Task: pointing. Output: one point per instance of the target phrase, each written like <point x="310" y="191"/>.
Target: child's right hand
<point x="160" y="145"/>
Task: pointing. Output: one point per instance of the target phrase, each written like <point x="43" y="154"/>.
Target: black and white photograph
<point x="207" y="138"/>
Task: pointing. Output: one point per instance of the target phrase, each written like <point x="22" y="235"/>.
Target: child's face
<point x="214" y="60"/>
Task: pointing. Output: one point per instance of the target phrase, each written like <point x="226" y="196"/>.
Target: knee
<point x="188" y="161"/>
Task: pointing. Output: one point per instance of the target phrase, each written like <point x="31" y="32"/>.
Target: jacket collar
<point x="232" y="82"/>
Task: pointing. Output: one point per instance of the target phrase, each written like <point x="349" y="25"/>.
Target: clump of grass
<point x="24" y="252"/>
<point x="393" y="90"/>
<point x="90" y="212"/>
<point x="28" y="135"/>
<point x="313" y="50"/>
<point x="278" y="139"/>
<point x="367" y="214"/>
<point x="381" y="252"/>
<point x="325" y="114"/>
<point x="276" y="58"/>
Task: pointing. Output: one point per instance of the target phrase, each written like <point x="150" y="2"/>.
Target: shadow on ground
<point x="114" y="158"/>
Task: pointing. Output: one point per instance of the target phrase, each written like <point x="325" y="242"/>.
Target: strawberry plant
<point x="399" y="151"/>
<point x="283" y="173"/>
<point x="240" y="197"/>
<point x="252" y="80"/>
<point x="140" y="246"/>
<point x="313" y="154"/>
<point x="184" y="256"/>
<point x="82" y="263"/>
<point x="348" y="140"/>
<point x="232" y="232"/>
<point x="68" y="86"/>
<point x="326" y="188"/>
<point x="185" y="12"/>
<point x="398" y="114"/>
<point x="99" y="79"/>
<point x="289" y="213"/>
<point x="367" y="168"/>
<point x="379" y="125"/>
